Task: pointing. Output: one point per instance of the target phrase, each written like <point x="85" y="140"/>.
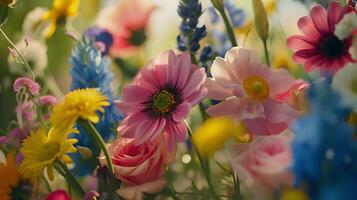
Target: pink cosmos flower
<point x="319" y="47"/>
<point x="27" y="83"/>
<point x="248" y="92"/>
<point x="127" y="22"/>
<point x="139" y="167"/>
<point x="161" y="97"/>
<point x="266" y="161"/>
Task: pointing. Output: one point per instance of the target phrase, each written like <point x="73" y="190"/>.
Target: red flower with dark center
<point x="319" y="47"/>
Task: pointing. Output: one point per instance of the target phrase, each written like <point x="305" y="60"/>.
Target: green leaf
<point x="261" y="19"/>
<point x="3" y="14"/>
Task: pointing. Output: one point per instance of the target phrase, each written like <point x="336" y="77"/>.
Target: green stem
<point x="228" y="26"/>
<point x="266" y="52"/>
<point x="203" y="165"/>
<point x="96" y="146"/>
<point x="19" y="54"/>
<point x="98" y="139"/>
<point x="64" y="171"/>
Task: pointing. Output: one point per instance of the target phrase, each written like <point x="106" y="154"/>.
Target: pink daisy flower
<point x="319" y="47"/>
<point x="248" y="92"/>
<point x="127" y="22"/>
<point x="161" y="97"/>
<point x="28" y="84"/>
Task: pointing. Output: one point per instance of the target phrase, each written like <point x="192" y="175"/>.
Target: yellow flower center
<point x="49" y="151"/>
<point x="163" y="101"/>
<point x="256" y="87"/>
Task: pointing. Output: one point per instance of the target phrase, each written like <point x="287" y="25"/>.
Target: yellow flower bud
<point x="213" y="134"/>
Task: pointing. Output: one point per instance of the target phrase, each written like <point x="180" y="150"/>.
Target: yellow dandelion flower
<point x="40" y="150"/>
<point x="79" y="104"/>
<point x="61" y="10"/>
<point x="213" y="134"/>
<point x="9" y="177"/>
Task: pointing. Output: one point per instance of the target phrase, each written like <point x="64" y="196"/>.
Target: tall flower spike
<point x="190" y="33"/>
<point x="91" y="69"/>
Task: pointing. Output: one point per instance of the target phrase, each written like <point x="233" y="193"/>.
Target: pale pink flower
<point x="248" y="92"/>
<point x="266" y="162"/>
<point x="49" y="100"/>
<point x="319" y="47"/>
<point x="27" y="83"/>
<point x="161" y="97"/>
<point x="139" y="167"/>
<point x="127" y="21"/>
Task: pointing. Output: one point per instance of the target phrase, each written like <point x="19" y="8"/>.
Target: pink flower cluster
<point x="30" y="85"/>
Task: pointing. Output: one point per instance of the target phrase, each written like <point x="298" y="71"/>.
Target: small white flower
<point x="345" y="82"/>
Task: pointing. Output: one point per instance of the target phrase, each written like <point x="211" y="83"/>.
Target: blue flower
<point x="90" y="69"/>
<point x="190" y="33"/>
<point x="324" y="151"/>
<point x="101" y="35"/>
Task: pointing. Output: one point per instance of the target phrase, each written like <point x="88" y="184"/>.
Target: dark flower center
<point x="163" y="102"/>
<point x="138" y="37"/>
<point x="333" y="47"/>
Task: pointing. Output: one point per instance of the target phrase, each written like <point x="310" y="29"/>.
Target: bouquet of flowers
<point x="223" y="99"/>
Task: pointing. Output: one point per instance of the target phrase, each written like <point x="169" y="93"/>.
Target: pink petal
<point x="129" y="125"/>
<point x="149" y="130"/>
<point x="217" y="91"/>
<point x="183" y="67"/>
<point x="310" y="64"/>
<point x="306" y="53"/>
<point x="197" y="96"/>
<point x="230" y="107"/>
<point x="161" y="74"/>
<point x="245" y="61"/>
<point x="278" y="112"/>
<point x="261" y="126"/>
<point x="222" y="72"/>
<point x="128" y="108"/>
<point x="280" y="81"/>
<point x="149" y="75"/>
<point x="181" y="112"/>
<point x="195" y="82"/>
<point x="307" y="26"/>
<point x="177" y="130"/>
<point x="299" y="42"/>
<point x="333" y="14"/>
<point x="135" y="94"/>
<point x="319" y="17"/>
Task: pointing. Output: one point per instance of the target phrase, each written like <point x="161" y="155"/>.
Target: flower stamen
<point x="163" y="102"/>
<point x="256" y="88"/>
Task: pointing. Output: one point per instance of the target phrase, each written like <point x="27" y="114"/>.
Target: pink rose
<point x="139" y="167"/>
<point x="265" y="161"/>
